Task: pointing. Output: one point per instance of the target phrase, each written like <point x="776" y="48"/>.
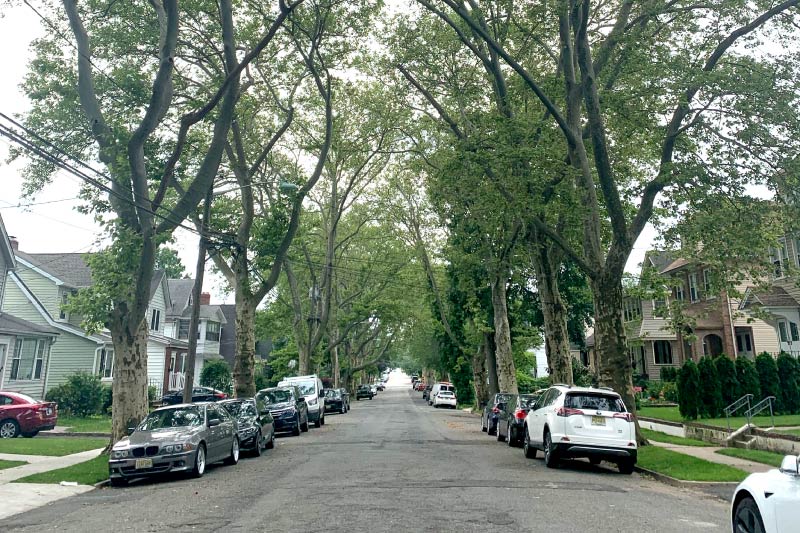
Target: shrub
<point x="670" y="391"/>
<point x="581" y="375"/>
<point x="668" y="374"/>
<point x="108" y="400"/>
<point x="217" y="375"/>
<point x="710" y="393"/>
<point x="689" y="390"/>
<point x="789" y="382"/>
<point x="82" y="395"/>
<point x="747" y="376"/>
<point x="728" y="383"/>
<point x="768" y="378"/>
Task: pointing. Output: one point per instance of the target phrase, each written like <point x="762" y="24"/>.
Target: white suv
<point x="569" y="422"/>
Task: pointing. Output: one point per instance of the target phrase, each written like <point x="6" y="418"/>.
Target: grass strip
<point x="671" y="439"/>
<point x="88" y="473"/>
<point x="89" y="424"/>
<point x="54" y="446"/>
<point x="10" y="464"/>
<point x="757" y="456"/>
<point x="672" y="414"/>
<point x="685" y="467"/>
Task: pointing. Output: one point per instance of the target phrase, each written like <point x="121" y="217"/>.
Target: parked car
<point x="311" y="388"/>
<point x="768" y="502"/>
<point x="445" y="398"/>
<point x="22" y="415"/>
<point x="380" y="386"/>
<point x="569" y="422"/>
<point x="199" y="394"/>
<point x="426" y="392"/>
<point x="288" y="408"/>
<point x="364" y="391"/>
<point x="440" y="386"/>
<point x="334" y="401"/>
<point x="255" y="427"/>
<point x="511" y="418"/>
<point x="420" y="386"/>
<point x="178" y="438"/>
<point x="491" y="411"/>
<point x="346" y="397"/>
<point x="374" y="389"/>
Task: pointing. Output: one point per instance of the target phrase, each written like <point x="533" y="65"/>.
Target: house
<point x="25" y="347"/>
<point x="43" y="283"/>
<point x="209" y="333"/>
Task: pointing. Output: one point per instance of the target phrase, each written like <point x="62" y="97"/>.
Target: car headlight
<point x="312" y="402"/>
<point x="176" y="448"/>
<point x="119" y="454"/>
<point x="248" y="431"/>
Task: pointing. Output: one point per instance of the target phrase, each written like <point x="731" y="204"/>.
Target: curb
<point x="97" y="435"/>
<point x="714" y="486"/>
<point x="101" y="484"/>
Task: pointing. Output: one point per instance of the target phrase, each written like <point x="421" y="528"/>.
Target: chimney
<point x="205" y="298"/>
<point x="14" y="243"/>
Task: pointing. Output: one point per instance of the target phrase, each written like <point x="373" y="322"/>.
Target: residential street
<point x="391" y="464"/>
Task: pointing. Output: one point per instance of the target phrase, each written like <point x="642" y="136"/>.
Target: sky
<point x="56" y="226"/>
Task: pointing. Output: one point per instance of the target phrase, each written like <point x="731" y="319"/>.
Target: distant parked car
<point x="334" y="401"/>
<point x="768" y="502"/>
<point x="22" y="415"/>
<point x="440" y="386"/>
<point x="346" y="397"/>
<point x="511" y="418"/>
<point x="287" y="406"/>
<point x="364" y="391"/>
<point x="374" y="389"/>
<point x="199" y="394"/>
<point x="178" y="438"/>
<point x="445" y="398"/>
<point x="419" y="387"/>
<point x="380" y="386"/>
<point x="255" y="427"/>
<point x="491" y="411"/>
<point x="567" y="422"/>
<point x="426" y="392"/>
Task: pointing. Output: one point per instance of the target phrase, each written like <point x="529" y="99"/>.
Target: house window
<point x="105" y="368"/>
<point x="797" y="252"/>
<point x="694" y="294"/>
<point x="28" y="359"/>
<point x="212" y="331"/>
<point x="155" y="320"/>
<point x="62" y="314"/>
<point x="662" y="351"/>
<point x="632" y="309"/>
<point x="707" y="284"/>
<point x="680" y="292"/>
<point x="779" y="257"/>
<point x="782" y="331"/>
<point x="794" y="332"/>
<point x="183" y="329"/>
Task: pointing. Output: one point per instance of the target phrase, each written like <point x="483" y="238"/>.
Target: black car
<point x="334" y="401"/>
<point x="199" y="394"/>
<point x="511" y="418"/>
<point x="287" y="406"/>
<point x="364" y="391"/>
<point x="256" y="427"/>
<point x="346" y="396"/>
<point x="491" y="411"/>
<point x="427" y="392"/>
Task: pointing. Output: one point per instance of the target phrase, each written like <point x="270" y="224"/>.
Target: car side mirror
<point x="483" y="405"/>
<point x="129" y="431"/>
<point x="791" y="465"/>
<point x="301" y="399"/>
<point x="214" y="422"/>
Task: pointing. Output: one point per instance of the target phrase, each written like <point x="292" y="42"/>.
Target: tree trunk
<point x="479" y="376"/>
<point x="491" y="363"/>
<point x="244" y="365"/>
<point x="554" y="311"/>
<point x="129" y="402"/>
<point x="615" y="369"/>
<point x="506" y="370"/>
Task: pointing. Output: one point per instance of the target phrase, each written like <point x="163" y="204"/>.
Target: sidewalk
<point x="41" y="463"/>
<point x="709" y="454"/>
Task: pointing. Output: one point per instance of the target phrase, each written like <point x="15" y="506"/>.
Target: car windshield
<point x="307" y="388"/>
<point x="190" y="416"/>
<point x="594" y="402"/>
<point x="233" y="407"/>
<point x="25" y="397"/>
<point x="503" y="398"/>
<point x="277" y="396"/>
<point x="330" y="393"/>
<point x="363" y="387"/>
<point x="246" y="410"/>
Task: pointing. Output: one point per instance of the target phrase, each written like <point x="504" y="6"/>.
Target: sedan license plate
<point x="598" y="421"/>
<point x="141" y="464"/>
<point x="48" y="411"/>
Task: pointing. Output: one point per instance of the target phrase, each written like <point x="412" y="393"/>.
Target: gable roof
<point x="774" y="296"/>
<point x="660" y="259"/>
<point x="179" y="290"/>
<point x="155" y="281"/>
<point x="5" y="246"/>
<point x="11" y="325"/>
<point x="67" y="268"/>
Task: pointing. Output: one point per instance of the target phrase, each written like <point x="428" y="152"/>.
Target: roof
<point x="5" y="246"/>
<point x="675" y="265"/>
<point x="660" y="259"/>
<point x="69" y="268"/>
<point x="773" y="297"/>
<point x="179" y="290"/>
<point x="11" y="325"/>
<point x="155" y="281"/>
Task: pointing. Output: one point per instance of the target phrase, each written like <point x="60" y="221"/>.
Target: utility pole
<point x="194" y="321"/>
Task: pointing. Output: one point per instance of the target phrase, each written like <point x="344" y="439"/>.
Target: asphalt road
<point x="391" y="464"/>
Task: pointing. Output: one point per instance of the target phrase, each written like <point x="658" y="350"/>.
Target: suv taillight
<point x="627" y="416"/>
<point x="495" y="410"/>
<point x="519" y="414"/>
<point x="568" y="411"/>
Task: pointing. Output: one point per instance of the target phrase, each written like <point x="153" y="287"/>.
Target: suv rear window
<point x="594" y="402"/>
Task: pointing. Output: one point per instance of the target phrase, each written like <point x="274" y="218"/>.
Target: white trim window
<point x="183" y="328"/>
<point x="62" y="313"/>
<point x="662" y="352"/>
<point x="680" y="291"/>
<point x="694" y="294"/>
<point x="797" y="252"/>
<point x="794" y="332"/>
<point x="707" y="285"/>
<point x="155" y="319"/>
<point x="27" y="362"/>
<point x="779" y="257"/>
<point x="212" y="331"/>
<point x="105" y="365"/>
<point x="783" y="331"/>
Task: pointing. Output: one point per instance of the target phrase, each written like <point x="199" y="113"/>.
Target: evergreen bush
<point x="82" y="395"/>
<point x="789" y="382"/>
<point x="710" y="392"/>
<point x="747" y="377"/>
<point x="728" y="383"/>
<point x="668" y="373"/>
<point x="768" y="379"/>
<point x="689" y="390"/>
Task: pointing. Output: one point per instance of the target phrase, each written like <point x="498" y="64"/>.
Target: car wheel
<point x="304" y="426"/>
<point x="500" y="437"/>
<point x="199" y="461"/>
<point x="233" y="458"/>
<point x="318" y="423"/>
<point x="259" y="445"/>
<point x="296" y="429"/>
<point x="625" y="467"/>
<point x="595" y="460"/>
<point x="118" y="482"/>
<point x="492" y="429"/>
<point x="323" y="420"/>
<point x="9" y="429"/>
<point x="483" y="425"/>
<point x="271" y="441"/>
<point x="527" y="447"/>
<point x="31" y="434"/>
<point x="343" y="410"/>
<point x="550" y="459"/>
<point x="510" y="436"/>
<point x="747" y="517"/>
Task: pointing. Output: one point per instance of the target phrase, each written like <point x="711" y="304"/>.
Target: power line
<point x="31" y="204"/>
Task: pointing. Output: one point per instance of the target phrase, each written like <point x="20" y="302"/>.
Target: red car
<point x="420" y="386"/>
<point x="22" y="415"/>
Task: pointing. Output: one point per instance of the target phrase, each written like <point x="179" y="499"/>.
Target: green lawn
<point x="685" y="467"/>
<point x="670" y="439"/>
<point x="87" y="473"/>
<point x="90" y="424"/>
<point x="758" y="456"/>
<point x="56" y="446"/>
<point x="795" y="432"/>
<point x="10" y="464"/>
<point x="672" y="414"/>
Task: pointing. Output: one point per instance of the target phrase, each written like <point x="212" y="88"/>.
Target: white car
<point x="311" y="389"/>
<point x="570" y="422"/>
<point x="768" y="502"/>
<point x="445" y="398"/>
<point x="440" y="386"/>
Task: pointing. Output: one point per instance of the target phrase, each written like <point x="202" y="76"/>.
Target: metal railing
<point x="176" y="380"/>
<point x="735" y="406"/>
<point x="761" y="406"/>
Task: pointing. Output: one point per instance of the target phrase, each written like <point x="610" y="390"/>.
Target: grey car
<point x="177" y="438"/>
